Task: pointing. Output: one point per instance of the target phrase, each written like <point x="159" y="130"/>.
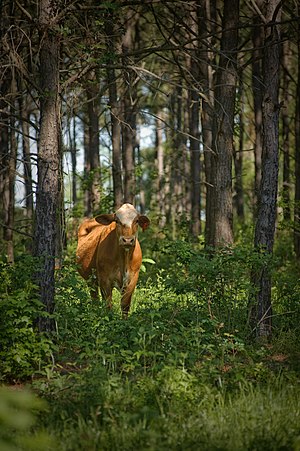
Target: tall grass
<point x="180" y="374"/>
<point x="171" y="377"/>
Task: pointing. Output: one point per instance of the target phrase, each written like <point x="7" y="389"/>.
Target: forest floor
<point x="182" y="373"/>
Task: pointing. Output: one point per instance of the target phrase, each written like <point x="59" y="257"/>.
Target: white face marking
<point x="126" y="214"/>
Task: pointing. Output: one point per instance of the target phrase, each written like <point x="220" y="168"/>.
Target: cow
<point x="109" y="253"/>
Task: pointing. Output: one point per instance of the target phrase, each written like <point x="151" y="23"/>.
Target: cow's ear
<point x="144" y="222"/>
<point x="105" y="219"/>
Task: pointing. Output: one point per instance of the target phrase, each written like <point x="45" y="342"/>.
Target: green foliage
<point x="22" y="351"/>
<point x="18" y="411"/>
<point x="180" y="373"/>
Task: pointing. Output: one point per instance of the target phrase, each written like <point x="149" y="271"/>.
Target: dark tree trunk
<point x="4" y="157"/>
<point x="129" y="112"/>
<point x="238" y="159"/>
<point x="115" y="115"/>
<point x="87" y="169"/>
<point x="195" y="161"/>
<point x="92" y="92"/>
<point x="47" y="196"/>
<point x="257" y="87"/>
<point x="5" y="144"/>
<point x="72" y="137"/>
<point x="9" y="190"/>
<point x="297" y="159"/>
<point x="261" y="308"/>
<point x="25" y="115"/>
<point x="286" y="131"/>
<point x="223" y="130"/>
<point x="160" y="186"/>
<point x="194" y="127"/>
<point x="206" y="20"/>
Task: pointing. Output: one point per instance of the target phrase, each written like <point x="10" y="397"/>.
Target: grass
<point x="170" y="377"/>
<point x="180" y="374"/>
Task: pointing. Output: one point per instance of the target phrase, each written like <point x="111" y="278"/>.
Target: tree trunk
<point x="25" y="115"/>
<point x="238" y="159"/>
<point x="261" y="309"/>
<point x="115" y="115"/>
<point x="72" y="136"/>
<point x="92" y="92"/>
<point x="47" y="196"/>
<point x="223" y="128"/>
<point x="257" y="88"/>
<point x="286" y="130"/>
<point x="297" y="159"/>
<point x="87" y="169"/>
<point x="5" y="88"/>
<point x="129" y="111"/>
<point x="195" y="161"/>
<point x="9" y="192"/>
<point x="160" y="185"/>
<point x="194" y="127"/>
<point x="206" y="20"/>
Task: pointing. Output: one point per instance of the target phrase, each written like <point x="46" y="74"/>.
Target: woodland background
<point x="190" y="111"/>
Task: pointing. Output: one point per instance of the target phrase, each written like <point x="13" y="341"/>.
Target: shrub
<point x="23" y="351"/>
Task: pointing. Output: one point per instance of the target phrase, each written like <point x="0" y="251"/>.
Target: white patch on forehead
<point x="126" y="214"/>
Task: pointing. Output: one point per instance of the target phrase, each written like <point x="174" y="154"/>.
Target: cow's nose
<point x="127" y="241"/>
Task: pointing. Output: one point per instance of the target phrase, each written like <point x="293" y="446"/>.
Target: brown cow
<point x="108" y="246"/>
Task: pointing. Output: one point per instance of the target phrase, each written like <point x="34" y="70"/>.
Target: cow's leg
<point x="94" y="289"/>
<point x="106" y="293"/>
<point x="127" y="292"/>
<point x="125" y="304"/>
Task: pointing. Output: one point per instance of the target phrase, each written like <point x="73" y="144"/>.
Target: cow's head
<point x="127" y="220"/>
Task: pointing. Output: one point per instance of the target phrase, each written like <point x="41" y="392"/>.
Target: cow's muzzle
<point x="127" y="242"/>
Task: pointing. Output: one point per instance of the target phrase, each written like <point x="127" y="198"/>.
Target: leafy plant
<point x="22" y="351"/>
<point x="18" y="414"/>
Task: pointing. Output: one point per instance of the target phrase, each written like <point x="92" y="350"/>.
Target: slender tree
<point x="160" y="182"/>
<point x="223" y="129"/>
<point x="286" y="130"/>
<point x="297" y="157"/>
<point x="261" y="308"/>
<point x="194" y="127"/>
<point x="129" y="96"/>
<point x="257" y="88"/>
<point x="207" y="20"/>
<point x="93" y="113"/>
<point x="9" y="187"/>
<point x="238" y="156"/>
<point x="47" y="196"/>
<point x="112" y="42"/>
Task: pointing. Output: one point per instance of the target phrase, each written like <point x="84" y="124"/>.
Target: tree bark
<point x="47" y="196"/>
<point x="129" y="111"/>
<point x="286" y="130"/>
<point x="257" y="88"/>
<point x="160" y="183"/>
<point x="238" y="158"/>
<point x="261" y="308"/>
<point x="223" y="130"/>
<point x="206" y="19"/>
<point x="115" y="116"/>
<point x="194" y="132"/>
<point x="92" y="92"/>
<point x="9" y="191"/>
<point x="25" y="115"/>
<point x="194" y="128"/>
<point x="297" y="158"/>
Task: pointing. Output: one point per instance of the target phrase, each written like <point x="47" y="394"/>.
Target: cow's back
<point x="89" y="236"/>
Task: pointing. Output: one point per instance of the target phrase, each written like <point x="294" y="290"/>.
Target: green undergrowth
<point x="172" y="376"/>
<point x="181" y="373"/>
